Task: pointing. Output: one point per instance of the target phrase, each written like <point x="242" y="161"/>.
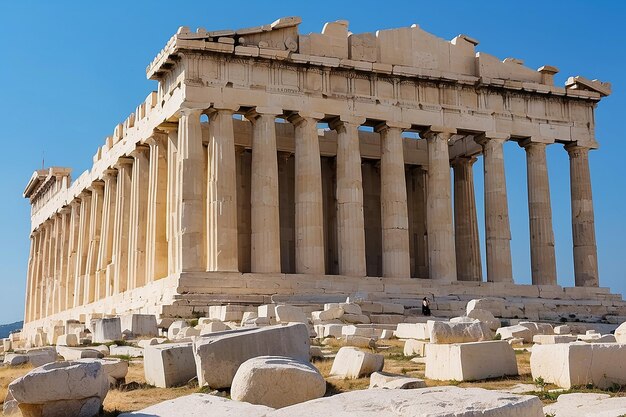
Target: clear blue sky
<point x="70" y="71"/>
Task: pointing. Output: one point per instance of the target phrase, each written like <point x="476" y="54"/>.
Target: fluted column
<point x="32" y="259"/>
<point x="583" y="221"/>
<point x="308" y="195"/>
<point x="393" y="201"/>
<point x="264" y="199"/>
<point x="542" y="254"/>
<point x="138" y="218"/>
<point x="468" y="263"/>
<point x="56" y="254"/>
<point x="222" y="250"/>
<point x="63" y="268"/>
<point x="173" y="202"/>
<point x="72" y="253"/>
<point x="440" y="231"/>
<point x="104" y="272"/>
<point x="81" y="248"/>
<point x="95" y="225"/>
<point x="349" y="194"/>
<point x="156" y="239"/>
<point x="41" y="288"/>
<point x="120" y="231"/>
<point x="497" y="226"/>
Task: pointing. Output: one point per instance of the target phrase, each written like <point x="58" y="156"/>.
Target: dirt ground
<point x="138" y="395"/>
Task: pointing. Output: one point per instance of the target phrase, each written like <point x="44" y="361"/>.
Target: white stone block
<point x="433" y="401"/>
<point x="115" y="369"/>
<point x="486" y="317"/>
<point x="290" y="314"/>
<point x="175" y="328"/>
<point x="267" y="310"/>
<point x="67" y="340"/>
<point x="359" y="341"/>
<point x="550" y="339"/>
<point x="393" y="308"/>
<point x="415" y="347"/>
<point x="574" y="364"/>
<point x="355" y="318"/>
<point x="277" y="381"/>
<point x="447" y="332"/>
<point x="219" y="356"/>
<point x="563" y="329"/>
<point x="394" y="381"/>
<point x="75" y="353"/>
<point x="353" y="363"/>
<point x="139" y="324"/>
<point x="517" y="331"/>
<point x="495" y="306"/>
<point x="470" y="361"/>
<point x="213" y="327"/>
<point x="169" y="365"/>
<point x="201" y="405"/>
<point x="587" y="405"/>
<point x="107" y="330"/>
<point x="417" y="331"/>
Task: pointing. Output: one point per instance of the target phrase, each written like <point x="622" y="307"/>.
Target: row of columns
<point x="152" y="214"/>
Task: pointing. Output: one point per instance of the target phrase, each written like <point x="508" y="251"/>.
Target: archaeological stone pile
<point x="262" y="356"/>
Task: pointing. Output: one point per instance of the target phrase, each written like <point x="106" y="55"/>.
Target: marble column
<point x="222" y="243"/>
<point x="72" y="253"/>
<point x="173" y="202"/>
<point x="187" y="205"/>
<point x="349" y="194"/>
<point x="63" y="269"/>
<point x="95" y="225"/>
<point x="104" y="281"/>
<point x="583" y="221"/>
<point x="120" y="231"/>
<point x="264" y="198"/>
<point x="156" y="239"/>
<point x="439" y="225"/>
<point x="308" y="195"/>
<point x="468" y="263"/>
<point x="497" y="226"/>
<point x="393" y="200"/>
<point x="47" y="299"/>
<point x="137" y="229"/>
<point x="56" y="254"/>
<point x="542" y="254"/>
<point x="32" y="259"/>
<point x="41" y="288"/>
<point x="81" y="248"/>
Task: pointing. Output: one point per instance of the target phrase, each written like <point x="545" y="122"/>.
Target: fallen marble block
<point x="443" y="332"/>
<point x="515" y="332"/>
<point x="394" y="381"/>
<point x="418" y="331"/>
<point x="414" y="347"/>
<point x="107" y="330"/>
<point x="115" y="369"/>
<point x="587" y="405"/>
<point x="218" y="356"/>
<point x="551" y="339"/>
<point x="290" y="314"/>
<point x="139" y="324"/>
<point x="61" y="389"/>
<point x="579" y="364"/>
<point x="431" y="402"/>
<point x="353" y="363"/>
<point x="277" y="381"/>
<point x="131" y="351"/>
<point x="470" y="361"/>
<point x="67" y="340"/>
<point x="70" y="353"/>
<point x="201" y="405"/>
<point x="169" y="365"/>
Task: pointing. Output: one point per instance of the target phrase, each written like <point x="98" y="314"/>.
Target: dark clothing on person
<point x="425" y="307"/>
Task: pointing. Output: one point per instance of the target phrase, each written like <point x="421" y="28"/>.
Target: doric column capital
<point x="64" y="210"/>
<point x="485" y="137"/>
<point x="191" y="112"/>
<point x="463" y="160"/>
<point x="168" y="127"/>
<point x="342" y="121"/>
<point x="574" y="150"/>
<point x="535" y="142"/>
<point x="434" y="132"/>
<point x="123" y="162"/>
<point x="109" y="174"/>
<point x="259" y="111"/>
<point x="96" y="186"/>
<point x="85" y="194"/>
<point x="139" y="150"/>
<point x="158" y="137"/>
<point x="303" y="116"/>
<point x="391" y="124"/>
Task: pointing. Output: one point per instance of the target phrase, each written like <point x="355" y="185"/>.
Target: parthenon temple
<point x="275" y="166"/>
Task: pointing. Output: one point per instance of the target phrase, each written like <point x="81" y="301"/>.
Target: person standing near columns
<point x="468" y="264"/>
<point x="308" y="195"/>
<point x="393" y="200"/>
<point x="350" y="220"/>
<point x="440" y="230"/>
<point x="542" y="254"/>
<point x="497" y="226"/>
<point x="583" y="222"/>
<point x="221" y="225"/>
<point x="264" y="198"/>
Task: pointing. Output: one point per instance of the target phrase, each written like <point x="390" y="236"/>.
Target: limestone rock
<point x="175" y="328"/>
<point x="486" y="317"/>
<point x="579" y="363"/>
<point x="355" y="318"/>
<point x="394" y="381"/>
<point x="10" y="405"/>
<point x="213" y="327"/>
<point x="620" y="333"/>
<point x="277" y="381"/>
<point x="563" y="329"/>
<point x="169" y="365"/>
<point x="107" y="330"/>
<point x="67" y="340"/>
<point x="70" y="353"/>
<point x="201" y="405"/>
<point x="470" y="361"/>
<point x="414" y="347"/>
<point x="431" y="402"/>
<point x="42" y="356"/>
<point x="61" y="389"/>
<point x="494" y="305"/>
<point x="359" y="341"/>
<point x="290" y="314"/>
<point x="446" y="332"/>
<point x="14" y="359"/>
<point x="549" y="339"/>
<point x="417" y="331"/>
<point x="133" y="352"/>
<point x="353" y="363"/>
<point x="139" y="324"/>
<point x="115" y="369"/>
<point x="517" y="331"/>
<point x="219" y="356"/>
<point x="587" y="405"/>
